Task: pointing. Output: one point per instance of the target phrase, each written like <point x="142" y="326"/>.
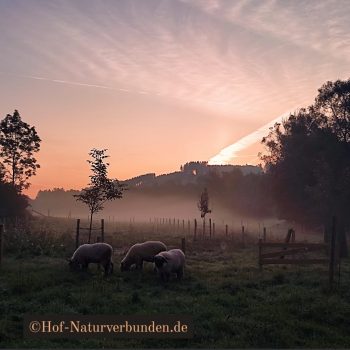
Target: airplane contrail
<point x="61" y="81"/>
<point x="229" y="153"/>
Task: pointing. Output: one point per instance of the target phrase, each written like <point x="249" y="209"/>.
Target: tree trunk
<point x="90" y="227"/>
<point x="203" y="233"/>
<point x="13" y="171"/>
<point x="342" y="246"/>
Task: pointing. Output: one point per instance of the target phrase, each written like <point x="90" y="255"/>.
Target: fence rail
<point x="295" y="261"/>
<point x="291" y="249"/>
<point x="307" y="245"/>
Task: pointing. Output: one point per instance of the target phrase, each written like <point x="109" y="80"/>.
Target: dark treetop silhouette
<point x="308" y="159"/>
<point x="18" y="143"/>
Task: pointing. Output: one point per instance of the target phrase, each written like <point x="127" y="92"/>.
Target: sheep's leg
<point x="165" y="276"/>
<point x="105" y="267"/>
<point x="162" y="276"/>
<point x="108" y="268"/>
<point x="180" y="273"/>
<point x="139" y="264"/>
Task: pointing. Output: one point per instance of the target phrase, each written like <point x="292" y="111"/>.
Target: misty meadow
<point x="175" y="158"/>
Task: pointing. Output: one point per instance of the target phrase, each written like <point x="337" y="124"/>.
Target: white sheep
<point x="172" y="261"/>
<point x="98" y="253"/>
<point x="141" y="252"/>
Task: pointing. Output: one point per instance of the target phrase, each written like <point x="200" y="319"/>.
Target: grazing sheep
<point x="98" y="253"/>
<point x="141" y="252"/>
<point x="172" y="261"/>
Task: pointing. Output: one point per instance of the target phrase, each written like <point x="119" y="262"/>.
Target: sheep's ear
<point x="159" y="260"/>
<point x="163" y="258"/>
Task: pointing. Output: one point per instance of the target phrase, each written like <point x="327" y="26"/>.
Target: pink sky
<point x="161" y="82"/>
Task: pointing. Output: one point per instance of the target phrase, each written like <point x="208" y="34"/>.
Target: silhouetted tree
<point x="203" y="206"/>
<point x="308" y="159"/>
<point x="333" y="102"/>
<point x="18" y="143"/>
<point x="203" y="203"/>
<point x="12" y="204"/>
<point x="100" y="189"/>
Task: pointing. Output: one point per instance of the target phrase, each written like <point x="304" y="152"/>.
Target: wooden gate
<point x="296" y="253"/>
<point x="291" y="253"/>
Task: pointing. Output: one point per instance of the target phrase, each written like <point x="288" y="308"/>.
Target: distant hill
<point x="149" y="195"/>
<point x="189" y="174"/>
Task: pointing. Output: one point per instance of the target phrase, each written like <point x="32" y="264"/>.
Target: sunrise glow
<point x="160" y="83"/>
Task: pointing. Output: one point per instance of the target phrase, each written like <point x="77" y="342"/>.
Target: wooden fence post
<point x="195" y="229"/>
<point x="183" y="244"/>
<point x="226" y="230"/>
<point x="77" y="234"/>
<point x="289" y="235"/>
<point x="183" y="226"/>
<point x="260" y="249"/>
<point x="264" y="234"/>
<point x="102" y="230"/>
<point x="332" y="253"/>
<point x="243" y="236"/>
<point x="130" y="225"/>
<point x="325" y="235"/>
<point x="1" y="241"/>
<point x="213" y="229"/>
<point x="189" y="227"/>
<point x="209" y="228"/>
<point x="288" y="239"/>
<point x="203" y="232"/>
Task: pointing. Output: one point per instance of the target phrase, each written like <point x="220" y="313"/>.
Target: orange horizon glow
<point x="161" y="83"/>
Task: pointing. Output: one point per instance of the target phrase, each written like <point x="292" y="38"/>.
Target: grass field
<point x="233" y="304"/>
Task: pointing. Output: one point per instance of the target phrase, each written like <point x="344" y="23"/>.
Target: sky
<point x="162" y="82"/>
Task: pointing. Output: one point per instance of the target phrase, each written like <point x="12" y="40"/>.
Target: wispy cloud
<point x="211" y="54"/>
<point x="321" y="26"/>
<point x="246" y="60"/>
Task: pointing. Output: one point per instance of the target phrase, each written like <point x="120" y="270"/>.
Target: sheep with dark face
<point x="167" y="263"/>
<point x="97" y="253"/>
<point x="141" y="252"/>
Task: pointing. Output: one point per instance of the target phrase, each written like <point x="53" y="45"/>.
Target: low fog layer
<point x="134" y="205"/>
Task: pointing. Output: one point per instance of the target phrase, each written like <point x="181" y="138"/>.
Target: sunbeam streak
<point x="229" y="153"/>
